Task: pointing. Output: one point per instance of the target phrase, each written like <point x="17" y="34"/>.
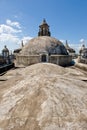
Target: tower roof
<point x="44" y="23"/>
<point x="44" y="29"/>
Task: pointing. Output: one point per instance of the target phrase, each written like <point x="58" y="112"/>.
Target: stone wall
<point x="62" y="60"/>
<point x="27" y="60"/>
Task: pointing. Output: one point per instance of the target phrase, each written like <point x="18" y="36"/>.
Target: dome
<point x="44" y="48"/>
<point x="44" y="44"/>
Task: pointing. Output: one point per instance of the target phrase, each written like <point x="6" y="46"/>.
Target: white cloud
<point x="7" y="29"/>
<point x="7" y="32"/>
<point x="9" y="38"/>
<point x="82" y="40"/>
<point x="10" y="35"/>
<point x="13" y="24"/>
<point x="26" y="39"/>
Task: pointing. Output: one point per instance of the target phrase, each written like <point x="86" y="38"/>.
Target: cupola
<point x="44" y="29"/>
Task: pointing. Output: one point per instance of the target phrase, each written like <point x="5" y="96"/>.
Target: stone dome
<point x="43" y="44"/>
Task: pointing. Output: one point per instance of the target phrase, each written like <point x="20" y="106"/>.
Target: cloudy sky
<point x="19" y="20"/>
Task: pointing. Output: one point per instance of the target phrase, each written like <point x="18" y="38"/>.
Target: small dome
<point x="44" y="44"/>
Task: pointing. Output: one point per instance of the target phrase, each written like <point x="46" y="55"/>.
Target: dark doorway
<point x="44" y="59"/>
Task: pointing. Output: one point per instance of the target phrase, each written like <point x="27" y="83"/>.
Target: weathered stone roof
<point x="43" y="97"/>
<point x="44" y="44"/>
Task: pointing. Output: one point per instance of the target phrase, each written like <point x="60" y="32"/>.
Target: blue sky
<point x="19" y="20"/>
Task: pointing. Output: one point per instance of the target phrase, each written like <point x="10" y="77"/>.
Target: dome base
<point x="62" y="60"/>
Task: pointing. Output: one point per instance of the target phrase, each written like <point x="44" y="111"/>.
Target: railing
<point x="6" y="67"/>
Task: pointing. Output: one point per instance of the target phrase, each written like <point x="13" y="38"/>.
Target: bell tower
<point x="44" y="29"/>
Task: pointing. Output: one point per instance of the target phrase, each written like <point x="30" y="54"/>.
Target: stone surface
<point x="42" y="44"/>
<point x="43" y="97"/>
